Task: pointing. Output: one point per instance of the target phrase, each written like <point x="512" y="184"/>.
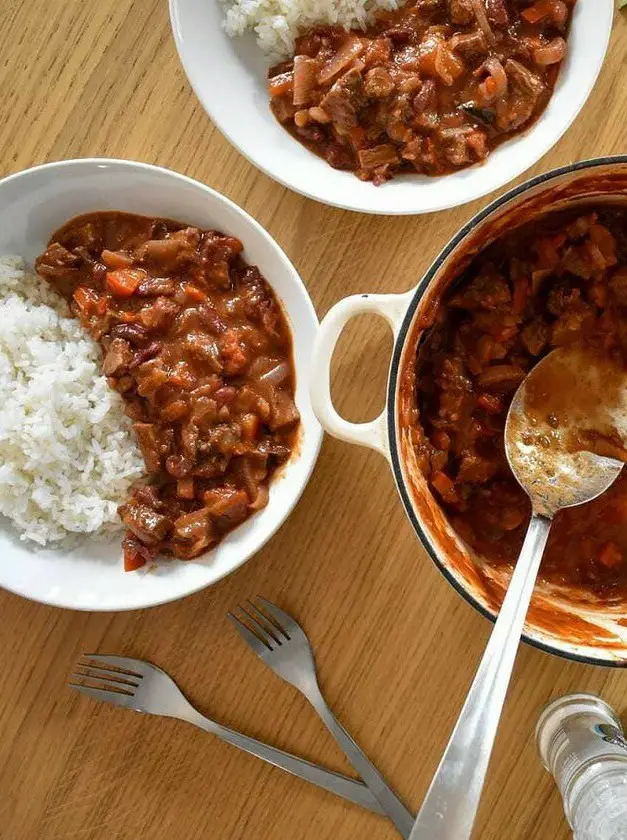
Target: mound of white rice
<point x="67" y="455"/>
<point x="277" y="23"/>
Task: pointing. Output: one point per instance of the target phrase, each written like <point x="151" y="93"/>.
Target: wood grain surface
<point x="396" y="647"/>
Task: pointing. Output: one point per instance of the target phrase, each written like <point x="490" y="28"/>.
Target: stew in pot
<point x="195" y="341"/>
<point x="558" y="281"/>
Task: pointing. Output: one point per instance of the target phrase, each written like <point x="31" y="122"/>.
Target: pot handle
<point x="373" y="434"/>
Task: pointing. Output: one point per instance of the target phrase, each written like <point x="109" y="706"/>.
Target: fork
<point x="134" y="684"/>
<point x="282" y="644"/>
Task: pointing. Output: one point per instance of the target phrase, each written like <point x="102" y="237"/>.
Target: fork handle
<point x="382" y="792"/>
<point x="348" y="789"/>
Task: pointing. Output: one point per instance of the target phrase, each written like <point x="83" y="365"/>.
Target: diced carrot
<point x="86" y="299"/>
<point x="281" y="84"/>
<point x="445" y="486"/>
<point x="185" y="488"/>
<point x="610" y="555"/>
<point x="101" y="306"/>
<point x="124" y="281"/>
<point x="489" y="87"/>
<point x="447" y="65"/>
<point x="133" y="560"/>
<point x="539" y="10"/>
<point x="194" y="293"/>
<point x="428" y="54"/>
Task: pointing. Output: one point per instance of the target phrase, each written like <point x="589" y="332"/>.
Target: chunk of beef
<point x="60" y="266"/>
<point x="344" y="100"/>
<point x="152" y="444"/>
<point x="469" y="44"/>
<point x="200" y="347"/>
<point x="487" y="291"/>
<point x="378" y="83"/>
<point x="154" y="286"/>
<point x="535" y="336"/>
<point x="148" y="525"/>
<point x="461" y="12"/>
<point x="475" y="469"/>
<point x="524" y="79"/>
<point x="118" y="358"/>
<point x="497" y="13"/>
<point x="227" y="507"/>
<point x="283" y="411"/>
<point x="159" y="315"/>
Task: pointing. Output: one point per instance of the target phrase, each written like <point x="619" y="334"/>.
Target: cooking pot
<point x="561" y="620"/>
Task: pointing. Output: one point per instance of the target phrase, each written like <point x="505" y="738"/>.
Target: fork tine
<point x="261" y="648"/>
<point x="261" y="628"/>
<point x="117" y="699"/>
<point x="275" y="630"/>
<point x="290" y="627"/>
<point x="132" y="667"/>
<point x="106" y="685"/>
<point x="105" y="675"/>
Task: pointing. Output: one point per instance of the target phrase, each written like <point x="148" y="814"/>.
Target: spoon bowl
<point x="552" y="472"/>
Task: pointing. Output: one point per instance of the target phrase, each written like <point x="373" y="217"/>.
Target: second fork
<point x="282" y="644"/>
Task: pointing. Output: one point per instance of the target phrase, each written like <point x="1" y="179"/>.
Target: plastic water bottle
<point x="582" y="744"/>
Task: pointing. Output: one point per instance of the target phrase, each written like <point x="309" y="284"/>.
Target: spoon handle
<point x="450" y="806"/>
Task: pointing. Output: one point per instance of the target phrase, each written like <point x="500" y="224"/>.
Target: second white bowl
<point x="229" y="78"/>
<point x="33" y="204"/>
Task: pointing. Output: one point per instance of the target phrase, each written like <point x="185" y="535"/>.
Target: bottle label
<point x="611" y="735"/>
<point x="583" y="738"/>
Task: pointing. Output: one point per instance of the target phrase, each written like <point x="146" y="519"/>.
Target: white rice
<point x="277" y="23"/>
<point x="67" y="455"/>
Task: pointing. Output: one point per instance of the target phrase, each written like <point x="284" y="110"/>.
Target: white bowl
<point x="229" y="78"/>
<point x="33" y="204"/>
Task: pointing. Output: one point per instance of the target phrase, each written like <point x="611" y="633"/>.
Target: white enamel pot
<point x="561" y="621"/>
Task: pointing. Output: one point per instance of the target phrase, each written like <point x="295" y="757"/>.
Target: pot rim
<point x="392" y="393"/>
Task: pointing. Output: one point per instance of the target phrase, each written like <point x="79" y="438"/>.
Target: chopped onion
<point x="277" y="375"/>
<point x="482" y="19"/>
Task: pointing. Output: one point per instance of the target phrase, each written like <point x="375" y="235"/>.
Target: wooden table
<point x="396" y="646"/>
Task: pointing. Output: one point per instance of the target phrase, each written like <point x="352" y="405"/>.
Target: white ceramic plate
<point x="229" y="78"/>
<point x="33" y="204"/>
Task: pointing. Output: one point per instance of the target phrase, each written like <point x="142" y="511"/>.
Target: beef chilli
<point x="430" y="88"/>
<point x="196" y="343"/>
<point x="559" y="281"/>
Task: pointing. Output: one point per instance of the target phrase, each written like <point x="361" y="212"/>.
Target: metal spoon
<point x="554" y="479"/>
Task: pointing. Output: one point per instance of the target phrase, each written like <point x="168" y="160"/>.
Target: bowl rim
<point x="314" y="429"/>
<point x="583" y="92"/>
<point x="392" y="394"/>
